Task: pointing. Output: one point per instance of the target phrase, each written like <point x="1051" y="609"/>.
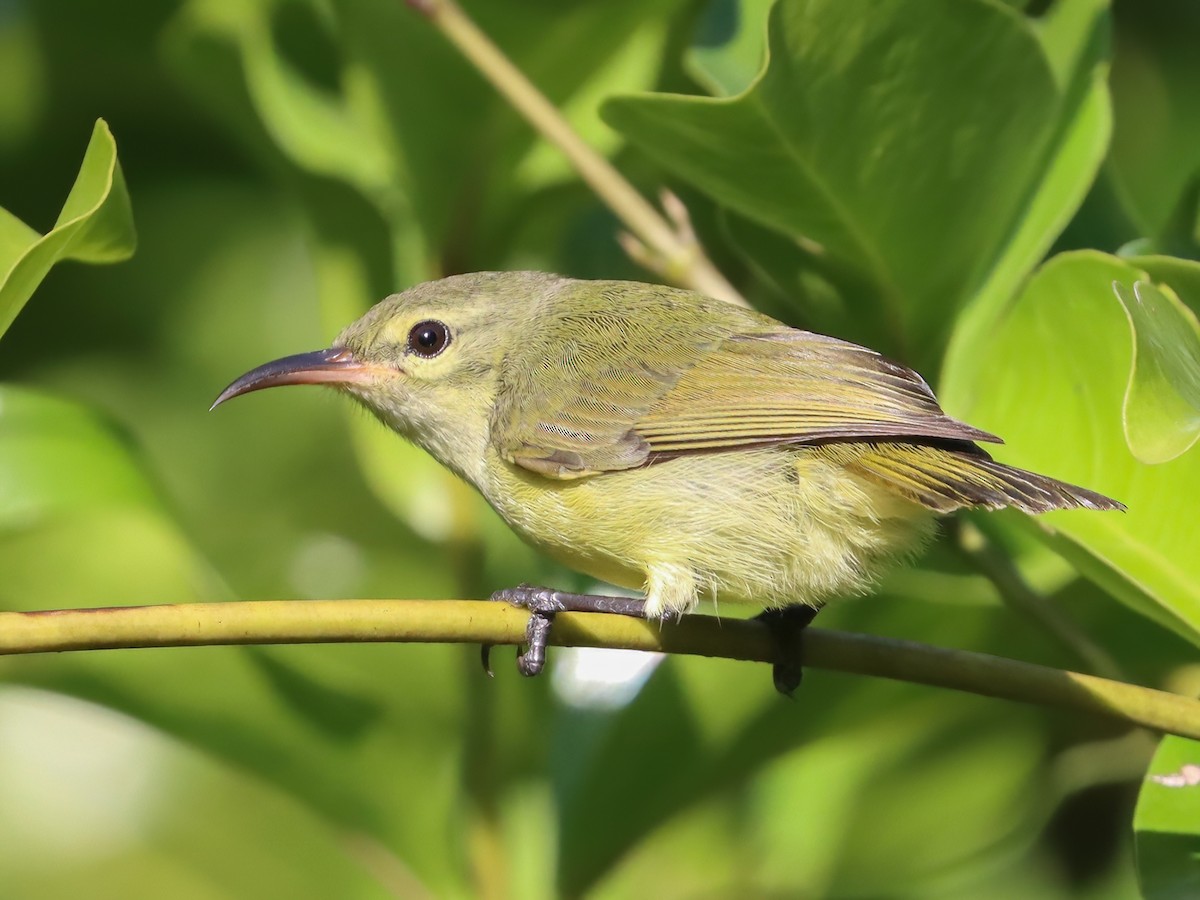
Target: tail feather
<point x="945" y="479"/>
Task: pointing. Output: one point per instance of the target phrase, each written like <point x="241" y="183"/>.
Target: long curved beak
<point x="336" y="365"/>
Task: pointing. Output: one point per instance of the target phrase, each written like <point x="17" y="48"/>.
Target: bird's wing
<point x="627" y="394"/>
<point x="789" y="386"/>
<point x="572" y="391"/>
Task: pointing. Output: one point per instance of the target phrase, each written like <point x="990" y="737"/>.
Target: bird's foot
<point x="787" y="625"/>
<point x="543" y="604"/>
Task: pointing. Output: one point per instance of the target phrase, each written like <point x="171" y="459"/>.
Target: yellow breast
<point x="773" y="526"/>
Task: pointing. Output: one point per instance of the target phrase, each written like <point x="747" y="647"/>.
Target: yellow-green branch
<point x="469" y="621"/>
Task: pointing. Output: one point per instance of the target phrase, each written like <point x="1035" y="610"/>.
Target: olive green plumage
<point x="660" y="439"/>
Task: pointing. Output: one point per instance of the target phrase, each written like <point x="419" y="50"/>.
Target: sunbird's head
<point x="424" y="361"/>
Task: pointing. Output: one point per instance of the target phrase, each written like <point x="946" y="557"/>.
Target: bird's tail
<point x="946" y="479"/>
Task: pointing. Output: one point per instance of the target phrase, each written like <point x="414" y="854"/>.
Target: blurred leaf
<point x="338" y="713"/>
<point x="1073" y="35"/>
<point x="1162" y="404"/>
<point x="1183" y="275"/>
<point x="712" y="725"/>
<point x="901" y="81"/>
<point x="795" y="294"/>
<point x="21" y="63"/>
<point x="632" y="66"/>
<point x="393" y="780"/>
<point x="1180" y="235"/>
<point x="951" y="761"/>
<point x="1156" y="144"/>
<point x="444" y="148"/>
<point x="57" y="457"/>
<point x="342" y="731"/>
<point x="730" y="46"/>
<point x="98" y="806"/>
<point x="327" y="134"/>
<point x="95" y="225"/>
<point x="1167" y="823"/>
<point x="1051" y="380"/>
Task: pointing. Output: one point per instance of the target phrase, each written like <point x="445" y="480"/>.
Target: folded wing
<point x="600" y="392"/>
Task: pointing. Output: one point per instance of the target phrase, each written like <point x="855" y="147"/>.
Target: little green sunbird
<point x="657" y="439"/>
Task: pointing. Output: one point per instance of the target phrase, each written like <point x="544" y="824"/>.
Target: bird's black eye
<point x="429" y="338"/>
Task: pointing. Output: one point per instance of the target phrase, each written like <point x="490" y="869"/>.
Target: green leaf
<point x="326" y="133"/>
<point x="1162" y="403"/>
<point x="1167" y="823"/>
<point x="1155" y="153"/>
<point x="1183" y="275"/>
<point x="56" y="456"/>
<point x="1050" y="379"/>
<point x="731" y="46"/>
<point x="1074" y="35"/>
<point x="342" y="732"/>
<point x="95" y="225"/>
<point x="404" y="118"/>
<point x="630" y="67"/>
<point x="714" y="726"/>
<point x="866" y="136"/>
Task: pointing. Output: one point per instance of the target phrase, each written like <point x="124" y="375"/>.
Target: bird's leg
<point x="543" y="604"/>
<point x="787" y="625"/>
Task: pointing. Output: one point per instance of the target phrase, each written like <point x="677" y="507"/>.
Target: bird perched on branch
<point x="658" y="439"/>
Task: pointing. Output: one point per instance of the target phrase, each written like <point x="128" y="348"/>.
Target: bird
<point x="663" y="441"/>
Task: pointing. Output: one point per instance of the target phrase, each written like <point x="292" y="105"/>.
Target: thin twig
<point x="471" y="621"/>
<point x="673" y="252"/>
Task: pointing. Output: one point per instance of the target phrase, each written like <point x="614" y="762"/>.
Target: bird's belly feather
<point x="770" y="526"/>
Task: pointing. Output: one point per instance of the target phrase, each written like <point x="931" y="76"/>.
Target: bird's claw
<point x="532" y="659"/>
<point x="542" y="604"/>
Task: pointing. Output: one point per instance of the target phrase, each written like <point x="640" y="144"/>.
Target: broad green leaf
<point x="865" y="136"/>
<point x="95" y="225"/>
<point x="1073" y="36"/>
<point x="58" y="457"/>
<point x="1162" y="403"/>
<point x="1167" y="823"/>
<point x="1050" y="379"/>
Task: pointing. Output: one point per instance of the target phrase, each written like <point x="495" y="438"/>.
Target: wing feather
<point x="945" y="480"/>
<point x="793" y="386"/>
<point x="602" y="385"/>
